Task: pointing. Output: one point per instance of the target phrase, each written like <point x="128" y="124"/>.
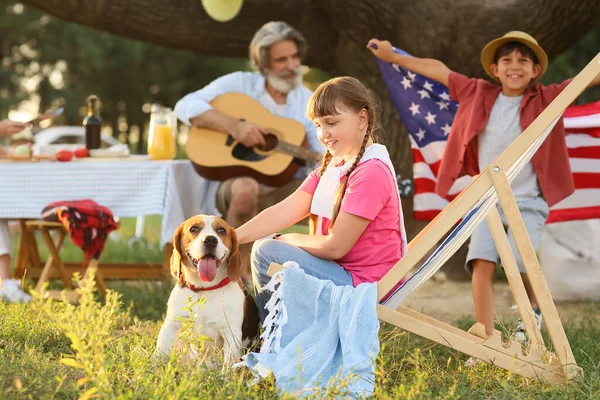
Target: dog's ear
<point x="176" y="255"/>
<point x="235" y="261"/>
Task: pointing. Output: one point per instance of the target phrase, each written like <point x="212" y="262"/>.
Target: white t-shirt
<point x="267" y="101"/>
<point x="503" y="127"/>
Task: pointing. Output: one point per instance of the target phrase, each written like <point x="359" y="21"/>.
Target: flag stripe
<point x="431" y="152"/>
<point x="584" y="180"/>
<point x="581" y="198"/>
<point x="585" y="165"/>
<point x="594" y="132"/>
<point x="426" y="215"/>
<point x="584" y="152"/>
<point x="583" y="110"/>
<point x="578" y="139"/>
<point x="571" y="214"/>
<point x="423" y="171"/>
<point x="429" y="201"/>
<point x="433" y="167"/>
<point x="423" y="186"/>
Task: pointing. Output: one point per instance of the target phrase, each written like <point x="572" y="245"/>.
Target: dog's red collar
<point x="207" y="288"/>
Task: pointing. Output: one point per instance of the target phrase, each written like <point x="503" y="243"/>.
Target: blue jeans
<point x="267" y="251"/>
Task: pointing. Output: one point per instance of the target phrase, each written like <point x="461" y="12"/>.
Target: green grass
<point x="102" y="349"/>
<point x="54" y="350"/>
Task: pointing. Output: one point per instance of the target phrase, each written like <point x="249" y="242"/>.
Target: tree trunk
<point x="337" y="32"/>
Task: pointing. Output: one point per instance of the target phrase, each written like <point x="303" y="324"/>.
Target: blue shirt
<point x="253" y="85"/>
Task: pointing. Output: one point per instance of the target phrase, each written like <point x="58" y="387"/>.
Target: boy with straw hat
<point x="489" y="118"/>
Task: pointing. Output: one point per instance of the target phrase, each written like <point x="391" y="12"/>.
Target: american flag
<point x="425" y="108"/>
<point x="582" y="126"/>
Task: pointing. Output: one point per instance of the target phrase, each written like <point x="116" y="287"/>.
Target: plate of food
<point x="23" y="152"/>
<point x="119" y="150"/>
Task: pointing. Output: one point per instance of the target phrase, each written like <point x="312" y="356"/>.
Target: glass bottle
<point x="93" y="124"/>
<point x="161" y="134"/>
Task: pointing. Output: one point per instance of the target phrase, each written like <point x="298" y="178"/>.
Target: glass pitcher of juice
<point x="161" y="135"/>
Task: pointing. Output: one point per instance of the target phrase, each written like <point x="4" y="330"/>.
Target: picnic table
<point x="130" y="187"/>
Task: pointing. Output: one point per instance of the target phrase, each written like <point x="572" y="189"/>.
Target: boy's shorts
<point x="534" y="212"/>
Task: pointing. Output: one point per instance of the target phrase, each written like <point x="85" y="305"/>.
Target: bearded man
<point x="276" y="54"/>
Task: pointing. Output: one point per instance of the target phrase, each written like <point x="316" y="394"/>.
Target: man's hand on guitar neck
<point x="244" y="132"/>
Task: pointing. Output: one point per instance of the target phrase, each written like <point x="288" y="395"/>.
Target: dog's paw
<point x="159" y="357"/>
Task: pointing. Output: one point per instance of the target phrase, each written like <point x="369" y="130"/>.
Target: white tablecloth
<point x="129" y="188"/>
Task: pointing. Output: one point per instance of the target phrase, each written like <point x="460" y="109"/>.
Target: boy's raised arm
<point x="428" y="67"/>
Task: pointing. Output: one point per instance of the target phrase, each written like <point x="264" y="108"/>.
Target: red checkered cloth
<point x="87" y="222"/>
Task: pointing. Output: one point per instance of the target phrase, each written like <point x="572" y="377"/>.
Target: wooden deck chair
<point x="474" y="204"/>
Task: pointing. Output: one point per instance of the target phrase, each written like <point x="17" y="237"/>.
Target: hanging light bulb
<point x="222" y="10"/>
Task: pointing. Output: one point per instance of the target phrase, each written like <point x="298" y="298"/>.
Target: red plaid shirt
<point x="87" y="222"/>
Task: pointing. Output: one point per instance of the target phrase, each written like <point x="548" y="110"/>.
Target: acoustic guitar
<point x="217" y="155"/>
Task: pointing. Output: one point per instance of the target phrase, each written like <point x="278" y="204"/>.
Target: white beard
<point x="283" y="85"/>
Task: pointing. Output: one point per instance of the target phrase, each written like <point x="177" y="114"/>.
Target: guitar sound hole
<point x="244" y="153"/>
<point x="270" y="142"/>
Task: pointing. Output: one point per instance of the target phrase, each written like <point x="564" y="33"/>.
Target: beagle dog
<point x="207" y="263"/>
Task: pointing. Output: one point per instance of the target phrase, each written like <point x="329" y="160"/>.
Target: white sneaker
<point x="473" y="362"/>
<point x="10" y="290"/>
<point x="520" y="334"/>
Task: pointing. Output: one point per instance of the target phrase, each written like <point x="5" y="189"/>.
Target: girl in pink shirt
<point x="356" y="224"/>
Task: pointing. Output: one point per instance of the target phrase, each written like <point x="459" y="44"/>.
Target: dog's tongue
<point x="207" y="269"/>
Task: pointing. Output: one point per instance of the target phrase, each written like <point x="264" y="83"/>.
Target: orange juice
<point x="161" y="143"/>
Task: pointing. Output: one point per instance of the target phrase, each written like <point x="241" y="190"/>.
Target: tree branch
<point x="451" y="31"/>
<point x="175" y="23"/>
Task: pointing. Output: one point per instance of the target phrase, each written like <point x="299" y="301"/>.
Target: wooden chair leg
<point x="54" y="249"/>
<point x="100" y="284"/>
<point x="168" y="251"/>
<point x="45" y="275"/>
<point x="22" y="252"/>
<point x="35" y="261"/>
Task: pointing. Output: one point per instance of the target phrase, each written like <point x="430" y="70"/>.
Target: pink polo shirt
<point x="476" y="98"/>
<point x="370" y="194"/>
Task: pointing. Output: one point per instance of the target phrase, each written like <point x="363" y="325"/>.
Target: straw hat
<point x="488" y="52"/>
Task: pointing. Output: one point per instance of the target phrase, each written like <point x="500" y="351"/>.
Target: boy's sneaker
<point x="520" y="333"/>
<point x="10" y="290"/>
<point x="473" y="362"/>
